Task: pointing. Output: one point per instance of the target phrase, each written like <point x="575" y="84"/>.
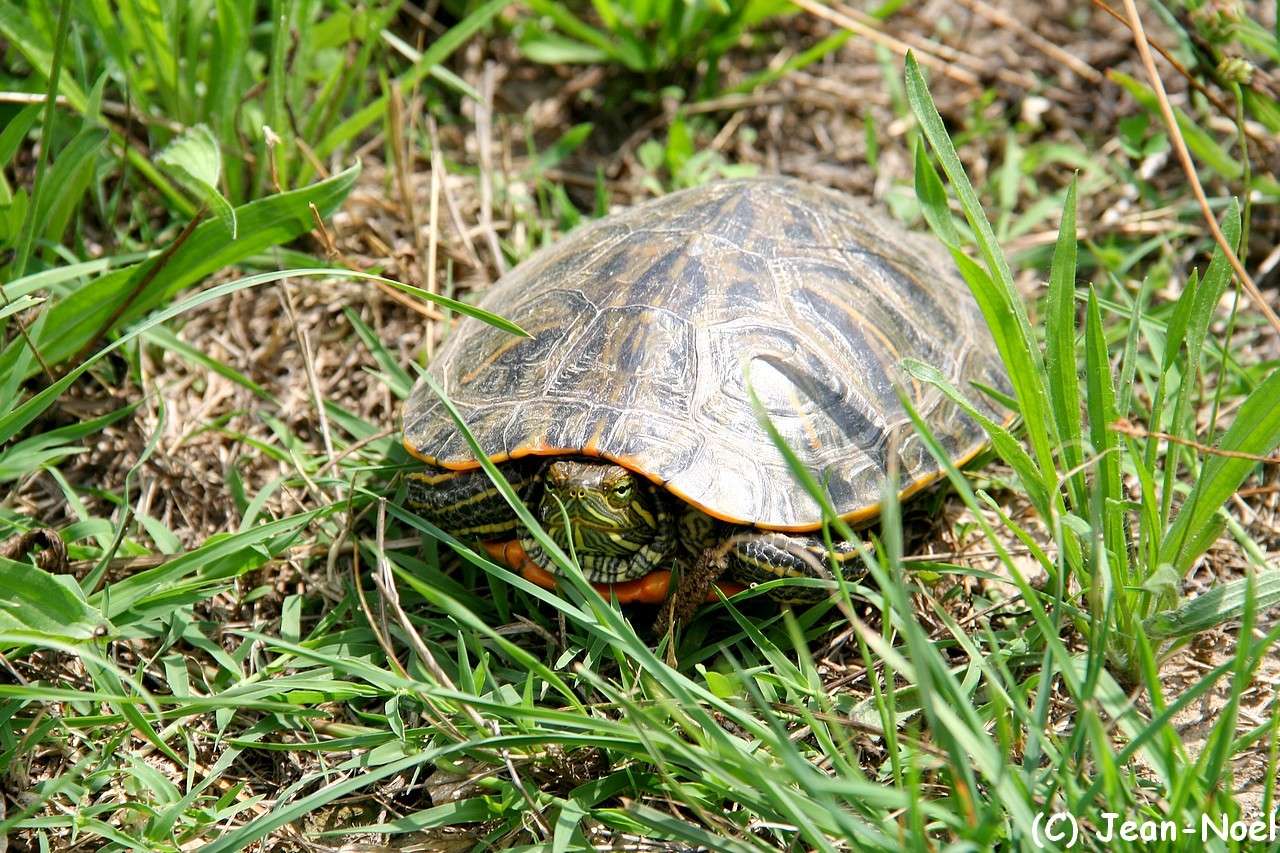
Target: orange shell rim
<point x="857" y="516"/>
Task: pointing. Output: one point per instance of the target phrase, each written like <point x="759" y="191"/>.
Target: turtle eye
<point x="620" y="492"/>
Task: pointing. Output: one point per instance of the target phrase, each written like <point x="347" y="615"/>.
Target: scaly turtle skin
<point x="629" y="405"/>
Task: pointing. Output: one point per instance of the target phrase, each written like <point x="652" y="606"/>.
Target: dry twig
<point x="484" y="137"/>
<point x="1131" y="429"/>
<point x="1192" y="80"/>
<point x="1189" y="167"/>
<point x="384" y="579"/>
<point x="882" y="38"/>
<point x="1001" y="18"/>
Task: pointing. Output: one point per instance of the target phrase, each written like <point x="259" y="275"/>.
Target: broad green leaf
<point x="196" y="161"/>
<point x="32" y="599"/>
<point x="73" y="322"/>
<point x="1224" y="602"/>
<point x="1255" y="430"/>
<point x="16" y="131"/>
<point x="1164" y="583"/>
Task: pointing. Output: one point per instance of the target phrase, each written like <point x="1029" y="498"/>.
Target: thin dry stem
<point x="331" y="252"/>
<point x="1188" y="167"/>
<point x="1001" y="18"/>
<point x="882" y="38"/>
<point x="385" y="580"/>
<point x="308" y="364"/>
<point x="484" y="136"/>
<point x="1131" y="429"/>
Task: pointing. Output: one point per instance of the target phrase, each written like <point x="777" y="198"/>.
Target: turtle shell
<point x="649" y="327"/>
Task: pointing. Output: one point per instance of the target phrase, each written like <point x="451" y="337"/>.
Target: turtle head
<point x="612" y="511"/>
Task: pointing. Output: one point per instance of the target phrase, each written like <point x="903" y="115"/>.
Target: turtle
<point x="628" y="409"/>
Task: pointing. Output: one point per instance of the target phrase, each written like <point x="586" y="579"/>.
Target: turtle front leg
<point x="757" y="556"/>
<point x="467" y="504"/>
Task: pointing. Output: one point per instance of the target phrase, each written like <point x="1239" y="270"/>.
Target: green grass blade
<point x="1226" y="601"/>
<point x="15" y="132"/>
<point x="12" y="421"/>
<point x="119" y="597"/>
<point x="397" y="378"/>
<point x="1060" y="348"/>
<point x="1256" y="430"/>
<point x="73" y="321"/>
<point x="68" y="177"/>
<point x="1101" y="402"/>
<point x="22" y="36"/>
<point x="1003" y="441"/>
<point x="994" y="288"/>
<point x="439" y="50"/>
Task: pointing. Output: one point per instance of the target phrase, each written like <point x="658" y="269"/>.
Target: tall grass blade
<point x="68" y="180"/>
<point x="1101" y="401"/>
<point x="993" y="288"/>
<point x="1060" y="348"/>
